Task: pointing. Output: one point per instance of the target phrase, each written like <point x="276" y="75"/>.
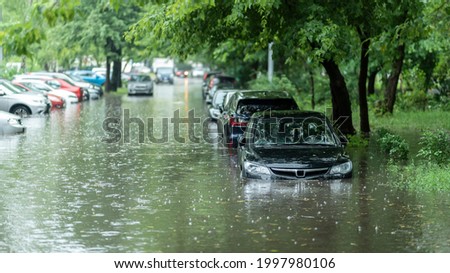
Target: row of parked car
<point x="36" y="93"/>
<point x="274" y="138"/>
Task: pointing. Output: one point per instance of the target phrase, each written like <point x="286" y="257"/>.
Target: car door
<point x="5" y="101"/>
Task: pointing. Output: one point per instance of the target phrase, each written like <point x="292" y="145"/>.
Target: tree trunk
<point x="340" y="98"/>
<point x="391" y="89"/>
<point x="115" y="75"/>
<point x="108" y="70"/>
<point x="371" y="83"/>
<point x="363" y="68"/>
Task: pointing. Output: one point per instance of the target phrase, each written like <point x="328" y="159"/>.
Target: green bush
<point x="435" y="147"/>
<point x="414" y="100"/>
<point x="392" y="144"/>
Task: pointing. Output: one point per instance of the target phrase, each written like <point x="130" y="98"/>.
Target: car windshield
<point x="38" y="86"/>
<point x="75" y="77"/>
<point x="9" y="88"/>
<point x="292" y="131"/>
<point x="140" y="78"/>
<point x="164" y="70"/>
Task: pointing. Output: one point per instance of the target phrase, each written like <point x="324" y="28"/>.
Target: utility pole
<point x="270" y="63"/>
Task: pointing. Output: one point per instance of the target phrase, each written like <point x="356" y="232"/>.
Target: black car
<point x="164" y="74"/>
<point x="242" y="104"/>
<point x="292" y="145"/>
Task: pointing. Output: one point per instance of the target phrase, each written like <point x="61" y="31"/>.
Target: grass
<point x="411" y="120"/>
<point x="421" y="177"/>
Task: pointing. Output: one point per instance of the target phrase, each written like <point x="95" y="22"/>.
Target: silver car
<point x="140" y="84"/>
<point x="22" y="104"/>
<point x="10" y="124"/>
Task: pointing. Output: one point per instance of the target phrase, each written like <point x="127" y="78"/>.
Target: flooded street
<point x="65" y="188"/>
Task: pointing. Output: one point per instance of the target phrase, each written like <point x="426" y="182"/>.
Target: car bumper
<point x="140" y="91"/>
<point x="12" y="129"/>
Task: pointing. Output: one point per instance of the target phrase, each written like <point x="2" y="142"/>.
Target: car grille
<point x="300" y="173"/>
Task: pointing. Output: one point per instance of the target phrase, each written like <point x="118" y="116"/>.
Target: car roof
<point x="261" y="94"/>
<point x="288" y="113"/>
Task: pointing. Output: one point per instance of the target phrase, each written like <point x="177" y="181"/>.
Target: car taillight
<point x="234" y="122"/>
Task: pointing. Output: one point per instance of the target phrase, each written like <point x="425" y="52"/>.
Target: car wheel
<point x="21" y="110"/>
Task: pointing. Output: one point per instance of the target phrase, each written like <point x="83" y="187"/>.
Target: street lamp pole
<point x="270" y="63"/>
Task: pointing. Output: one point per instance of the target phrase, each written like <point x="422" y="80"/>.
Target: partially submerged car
<point x="10" y="124"/>
<point x="242" y="104"/>
<point x="292" y="145"/>
<point x="140" y="84"/>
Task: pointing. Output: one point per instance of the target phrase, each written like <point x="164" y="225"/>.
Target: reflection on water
<point x="64" y="190"/>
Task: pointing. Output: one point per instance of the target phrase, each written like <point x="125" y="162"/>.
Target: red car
<point x="78" y="91"/>
<point x="56" y="101"/>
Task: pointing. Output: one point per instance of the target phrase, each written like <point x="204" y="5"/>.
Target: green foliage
<point x="278" y="84"/>
<point x="391" y="144"/>
<point x="435" y="147"/>
<point x="420" y="177"/>
<point x="357" y="141"/>
<point x="414" y="100"/>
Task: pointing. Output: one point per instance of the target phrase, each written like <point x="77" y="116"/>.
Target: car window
<point x="140" y="78"/>
<point x="250" y="106"/>
<point x="289" y="131"/>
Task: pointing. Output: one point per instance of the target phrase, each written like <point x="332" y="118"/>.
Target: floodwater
<point x="67" y="186"/>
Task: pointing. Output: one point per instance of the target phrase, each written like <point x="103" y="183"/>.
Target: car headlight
<point x="38" y="101"/>
<point x="256" y="169"/>
<point x="13" y="121"/>
<point x="342" y="168"/>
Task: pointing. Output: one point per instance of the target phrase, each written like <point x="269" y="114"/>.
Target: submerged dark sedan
<point x="292" y="145"/>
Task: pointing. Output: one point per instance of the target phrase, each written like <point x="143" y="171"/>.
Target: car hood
<point x="6" y="115"/>
<point x="297" y="156"/>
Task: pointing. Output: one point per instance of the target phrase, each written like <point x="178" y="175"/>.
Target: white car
<point x="10" y="124"/>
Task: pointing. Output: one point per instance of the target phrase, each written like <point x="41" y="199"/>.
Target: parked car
<point x="292" y="145"/>
<point x="41" y="86"/>
<point x="140" y="84"/>
<point x="10" y="124"/>
<point x="217" y="102"/>
<point x="221" y="86"/>
<point x="20" y="103"/>
<point x="55" y="100"/>
<point x="89" y="76"/>
<point x="56" y="83"/>
<point x="93" y="91"/>
<point x="206" y="79"/>
<point x="219" y="81"/>
<point x="164" y="74"/>
<point x="242" y="104"/>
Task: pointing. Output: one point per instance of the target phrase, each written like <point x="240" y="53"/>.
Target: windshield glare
<point x="292" y="131"/>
